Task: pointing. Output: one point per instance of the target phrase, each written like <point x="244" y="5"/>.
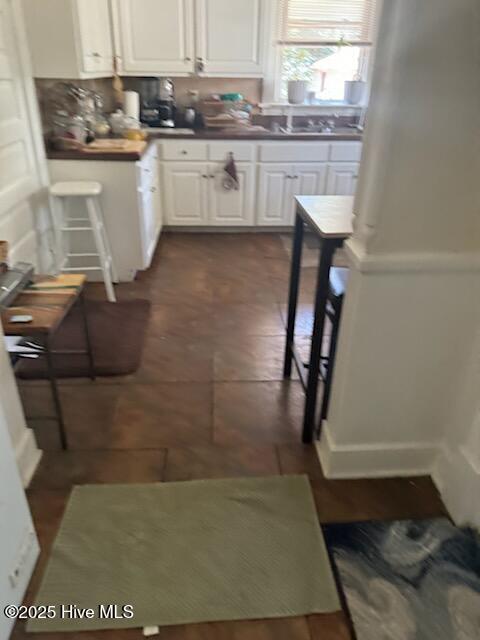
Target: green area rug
<point x="188" y="552"/>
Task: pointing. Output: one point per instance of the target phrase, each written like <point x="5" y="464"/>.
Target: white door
<point x="95" y="35"/>
<point x="155" y="36"/>
<point x="342" y="178"/>
<point x="229" y="36"/>
<point x="18" y="181"/>
<point x="275" y="194"/>
<point x="186" y="186"/>
<point x="18" y="171"/>
<point x="234" y="207"/>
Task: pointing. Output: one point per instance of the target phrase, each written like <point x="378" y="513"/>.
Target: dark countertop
<point x="206" y="134"/>
<point x="225" y="134"/>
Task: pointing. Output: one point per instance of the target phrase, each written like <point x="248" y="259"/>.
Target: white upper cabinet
<point x="229" y="37"/>
<point x="69" y="39"/>
<point x="95" y="35"/>
<point x="74" y="38"/>
<point x="155" y="36"/>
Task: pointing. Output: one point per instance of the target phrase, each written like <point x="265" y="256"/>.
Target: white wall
<point x="413" y="304"/>
<point x="457" y="469"/>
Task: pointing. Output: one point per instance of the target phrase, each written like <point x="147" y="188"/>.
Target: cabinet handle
<point x="212" y="175"/>
<point x="183" y="152"/>
<point x="95" y="54"/>
<point x="204" y="175"/>
<point x="153" y="189"/>
<point x="188" y="59"/>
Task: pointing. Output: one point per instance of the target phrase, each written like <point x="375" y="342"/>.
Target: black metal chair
<point x="337" y="288"/>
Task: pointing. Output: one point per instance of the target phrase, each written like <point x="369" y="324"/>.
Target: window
<point x="324" y="42"/>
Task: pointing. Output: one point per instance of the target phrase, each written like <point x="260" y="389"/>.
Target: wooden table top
<point x="330" y="216"/>
<point x="48" y="300"/>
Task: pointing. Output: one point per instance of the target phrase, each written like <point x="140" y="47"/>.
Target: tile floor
<point x="208" y="401"/>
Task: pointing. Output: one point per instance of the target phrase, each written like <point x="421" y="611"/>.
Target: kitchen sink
<point x="320" y="130"/>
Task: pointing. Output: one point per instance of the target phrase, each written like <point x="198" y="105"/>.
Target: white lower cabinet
<point x="193" y="173"/>
<point x="131" y="206"/>
<point x="235" y="207"/>
<point x="274" y="204"/>
<point x="185" y="191"/>
<point x="342" y="178"/>
<point x="150" y="207"/>
<point x="279" y="183"/>
<point x="195" y="196"/>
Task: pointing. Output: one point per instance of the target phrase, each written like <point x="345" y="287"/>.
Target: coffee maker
<point x="158" y="108"/>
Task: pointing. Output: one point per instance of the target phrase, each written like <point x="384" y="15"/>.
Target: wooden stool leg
<point x="101" y="249"/>
<point x="106" y="240"/>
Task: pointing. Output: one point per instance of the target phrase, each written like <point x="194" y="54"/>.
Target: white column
<point x="413" y="303"/>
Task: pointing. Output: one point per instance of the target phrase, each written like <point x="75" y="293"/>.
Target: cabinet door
<point x="235" y="207"/>
<point x="308" y="179"/>
<point x="275" y="194"/>
<point x="229" y="36"/>
<point x="95" y="35"/>
<point x="147" y="213"/>
<point x="342" y="178"/>
<point x="185" y="186"/>
<point x="155" y="36"/>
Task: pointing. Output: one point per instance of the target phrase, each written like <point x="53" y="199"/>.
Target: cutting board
<point x="116" y="146"/>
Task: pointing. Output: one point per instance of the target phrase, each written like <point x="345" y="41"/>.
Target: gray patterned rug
<point x="409" y="580"/>
<point x="186" y="552"/>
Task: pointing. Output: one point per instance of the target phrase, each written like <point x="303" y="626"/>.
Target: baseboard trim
<point x="28" y="456"/>
<point x="457" y="477"/>
<point x="380" y="460"/>
<point x="227" y="229"/>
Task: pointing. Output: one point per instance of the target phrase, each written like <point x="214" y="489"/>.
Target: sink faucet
<point x="288" y="128"/>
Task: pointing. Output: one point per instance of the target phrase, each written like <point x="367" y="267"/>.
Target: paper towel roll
<point x="131" y="104"/>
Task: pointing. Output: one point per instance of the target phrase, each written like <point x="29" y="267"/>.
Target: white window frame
<point x="271" y="97"/>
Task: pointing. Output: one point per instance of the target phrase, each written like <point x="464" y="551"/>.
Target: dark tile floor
<point x="208" y="401"/>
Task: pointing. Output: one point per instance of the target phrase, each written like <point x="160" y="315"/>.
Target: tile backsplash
<point x="250" y="88"/>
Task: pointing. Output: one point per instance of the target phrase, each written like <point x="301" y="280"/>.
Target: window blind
<point x="326" y="22"/>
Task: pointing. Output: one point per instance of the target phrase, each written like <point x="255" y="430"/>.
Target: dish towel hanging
<point x="230" y="178"/>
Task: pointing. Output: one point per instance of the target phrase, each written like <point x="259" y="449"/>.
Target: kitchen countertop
<point x="205" y="134"/>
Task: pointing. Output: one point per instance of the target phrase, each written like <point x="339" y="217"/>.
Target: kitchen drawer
<point x="183" y="150"/>
<point x="345" y="151"/>
<point x="294" y="151"/>
<point x="243" y="151"/>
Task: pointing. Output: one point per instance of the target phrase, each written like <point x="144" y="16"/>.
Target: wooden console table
<point x="48" y="300"/>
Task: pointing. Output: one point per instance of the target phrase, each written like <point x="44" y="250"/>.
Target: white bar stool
<point x="64" y="225"/>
